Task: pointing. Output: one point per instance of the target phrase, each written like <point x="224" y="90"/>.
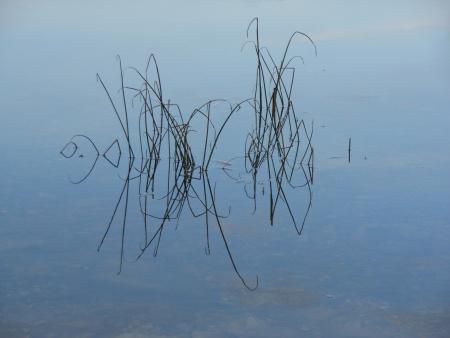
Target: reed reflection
<point x="169" y="155"/>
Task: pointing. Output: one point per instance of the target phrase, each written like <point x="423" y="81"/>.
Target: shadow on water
<point x="169" y="156"/>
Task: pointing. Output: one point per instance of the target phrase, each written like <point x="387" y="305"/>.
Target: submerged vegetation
<point x="171" y="165"/>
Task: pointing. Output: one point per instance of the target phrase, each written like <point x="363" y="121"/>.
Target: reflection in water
<point x="171" y="153"/>
<point x="118" y="154"/>
<point x="71" y="148"/>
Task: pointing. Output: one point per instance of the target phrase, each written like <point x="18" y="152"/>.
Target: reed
<point x="278" y="145"/>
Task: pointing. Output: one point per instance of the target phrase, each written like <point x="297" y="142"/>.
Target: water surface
<point x="373" y="257"/>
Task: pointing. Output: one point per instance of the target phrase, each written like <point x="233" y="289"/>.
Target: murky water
<point x="373" y="257"/>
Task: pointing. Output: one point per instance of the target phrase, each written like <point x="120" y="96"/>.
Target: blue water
<point x="373" y="257"/>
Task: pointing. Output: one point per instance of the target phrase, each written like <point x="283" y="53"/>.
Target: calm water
<point x="373" y="259"/>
